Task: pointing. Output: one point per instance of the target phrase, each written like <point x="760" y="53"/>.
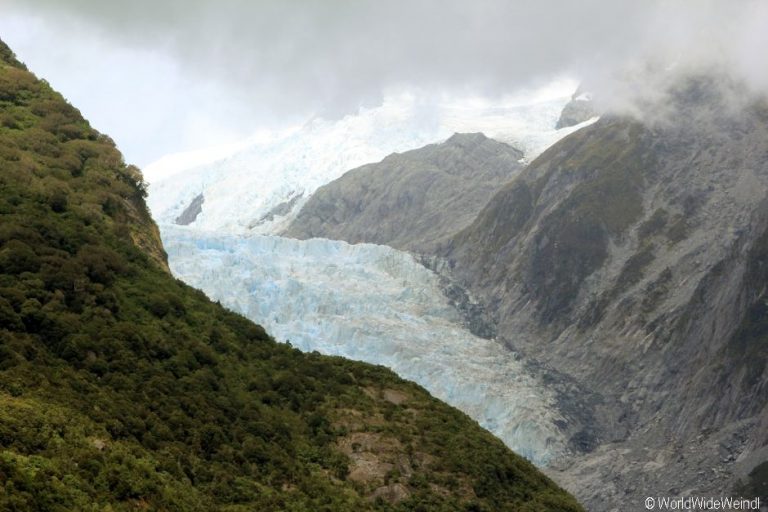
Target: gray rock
<point x="579" y="109"/>
<point x="627" y="264"/>
<point x="631" y="256"/>
<point x="576" y="111"/>
<point x="279" y="210"/>
<point x="190" y="213"/>
<point x="412" y="200"/>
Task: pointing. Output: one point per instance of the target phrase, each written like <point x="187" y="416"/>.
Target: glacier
<point x="376" y="304"/>
<point x="365" y="302"/>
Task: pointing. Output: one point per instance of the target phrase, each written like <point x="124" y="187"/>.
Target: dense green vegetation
<point x="121" y="388"/>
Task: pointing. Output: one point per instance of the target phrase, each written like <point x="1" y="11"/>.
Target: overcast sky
<point x="167" y="75"/>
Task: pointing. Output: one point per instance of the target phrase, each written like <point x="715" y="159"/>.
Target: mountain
<point x="369" y="302"/>
<point x="412" y="200"/>
<point x="122" y="388"/>
<point x="259" y="185"/>
<point x="631" y="256"/>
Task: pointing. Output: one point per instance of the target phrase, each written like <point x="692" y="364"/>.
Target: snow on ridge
<point x="243" y="189"/>
<point x="240" y="189"/>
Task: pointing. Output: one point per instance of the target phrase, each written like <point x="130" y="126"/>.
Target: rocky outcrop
<point x="412" y="200"/>
<point x="632" y="256"/>
<point x="279" y="210"/>
<point x="190" y="213"/>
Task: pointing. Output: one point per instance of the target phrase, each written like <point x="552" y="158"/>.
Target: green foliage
<point x="7" y="56"/>
<point x="121" y="388"/>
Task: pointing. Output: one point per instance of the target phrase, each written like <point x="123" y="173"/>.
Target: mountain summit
<point x="411" y="200"/>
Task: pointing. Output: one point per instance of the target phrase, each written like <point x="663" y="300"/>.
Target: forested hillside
<point x="124" y="389"/>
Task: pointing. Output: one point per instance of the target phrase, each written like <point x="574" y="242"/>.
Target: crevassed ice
<point x="374" y="304"/>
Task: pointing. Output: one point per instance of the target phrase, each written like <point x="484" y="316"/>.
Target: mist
<point x="217" y="70"/>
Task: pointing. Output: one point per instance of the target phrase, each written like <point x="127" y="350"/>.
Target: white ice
<point x="272" y="168"/>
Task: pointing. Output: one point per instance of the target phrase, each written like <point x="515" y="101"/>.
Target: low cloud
<point x="287" y="59"/>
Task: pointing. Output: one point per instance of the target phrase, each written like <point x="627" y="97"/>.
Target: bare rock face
<point x="633" y="257"/>
<point x="190" y="213"/>
<point x="412" y="200"/>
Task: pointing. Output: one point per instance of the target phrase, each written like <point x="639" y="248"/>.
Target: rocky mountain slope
<point x="125" y="389"/>
<point x="631" y="256"/>
<point x="413" y="200"/>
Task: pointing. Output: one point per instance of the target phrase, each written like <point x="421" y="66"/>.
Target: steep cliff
<point x="124" y="389"/>
<point x="412" y="200"/>
<point x="631" y="256"/>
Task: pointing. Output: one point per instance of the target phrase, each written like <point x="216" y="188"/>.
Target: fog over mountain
<point x="211" y="72"/>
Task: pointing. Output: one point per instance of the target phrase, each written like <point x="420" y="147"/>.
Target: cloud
<point x="337" y="54"/>
<point x="281" y="60"/>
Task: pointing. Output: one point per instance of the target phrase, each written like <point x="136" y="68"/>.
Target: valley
<point x="434" y="256"/>
<point x="542" y="255"/>
<point x="123" y="388"/>
<point x="374" y="304"/>
<point x="367" y="302"/>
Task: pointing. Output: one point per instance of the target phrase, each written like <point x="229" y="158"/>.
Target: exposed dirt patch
<point x="393" y="493"/>
<point x="394" y="396"/>
<point x="388" y="464"/>
<point x="372" y="456"/>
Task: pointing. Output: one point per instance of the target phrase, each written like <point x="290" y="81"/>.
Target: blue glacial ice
<point x="375" y="304"/>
